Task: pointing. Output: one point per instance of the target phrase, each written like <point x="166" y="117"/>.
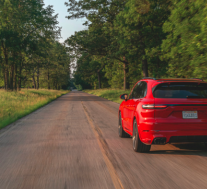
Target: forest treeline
<point x="130" y="39"/>
<point x="30" y="54"/>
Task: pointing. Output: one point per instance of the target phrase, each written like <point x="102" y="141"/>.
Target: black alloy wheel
<point x="138" y="146"/>
<point x="122" y="133"/>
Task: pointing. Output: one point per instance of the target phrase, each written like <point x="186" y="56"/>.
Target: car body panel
<point x="167" y="122"/>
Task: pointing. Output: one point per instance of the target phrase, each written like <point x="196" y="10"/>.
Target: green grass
<point x="15" y="105"/>
<point x="110" y="94"/>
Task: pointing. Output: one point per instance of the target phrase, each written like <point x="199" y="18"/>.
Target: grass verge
<point x="110" y="94"/>
<point x="15" y="105"/>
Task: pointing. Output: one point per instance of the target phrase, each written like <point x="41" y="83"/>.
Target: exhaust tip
<point x="161" y="141"/>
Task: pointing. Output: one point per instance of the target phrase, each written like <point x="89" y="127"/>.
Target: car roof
<point x="174" y="79"/>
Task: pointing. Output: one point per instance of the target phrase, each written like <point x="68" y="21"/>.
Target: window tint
<point x="139" y="91"/>
<point x="181" y="90"/>
<point x="135" y="91"/>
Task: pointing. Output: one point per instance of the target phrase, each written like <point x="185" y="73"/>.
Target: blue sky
<point x="68" y="26"/>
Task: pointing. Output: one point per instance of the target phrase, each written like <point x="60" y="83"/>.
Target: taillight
<point x="148" y="106"/>
<point x="153" y="106"/>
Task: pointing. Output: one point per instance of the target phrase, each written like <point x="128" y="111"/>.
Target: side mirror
<point x="124" y="96"/>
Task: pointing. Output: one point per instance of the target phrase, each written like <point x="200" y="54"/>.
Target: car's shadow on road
<point x="184" y="149"/>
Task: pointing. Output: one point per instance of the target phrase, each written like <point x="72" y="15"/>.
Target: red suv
<point x="160" y="111"/>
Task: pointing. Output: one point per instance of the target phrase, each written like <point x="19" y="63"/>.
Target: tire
<point x="205" y="146"/>
<point x="121" y="131"/>
<point x="138" y="146"/>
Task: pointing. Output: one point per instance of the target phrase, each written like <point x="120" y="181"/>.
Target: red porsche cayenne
<point x="160" y="111"/>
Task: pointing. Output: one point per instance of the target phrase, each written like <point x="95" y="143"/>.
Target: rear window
<point x="180" y="90"/>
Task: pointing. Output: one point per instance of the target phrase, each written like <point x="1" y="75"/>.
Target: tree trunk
<point x="6" y="66"/>
<point x="12" y="77"/>
<point x="19" y="83"/>
<point x="126" y="71"/>
<point x="34" y="82"/>
<point x="6" y="78"/>
<point x="48" y="79"/>
<point x="145" y="68"/>
<point x="6" y="73"/>
<point x="99" y="80"/>
<point x="20" y="77"/>
<point x="38" y="75"/>
<point x="15" y="77"/>
<point x="144" y="62"/>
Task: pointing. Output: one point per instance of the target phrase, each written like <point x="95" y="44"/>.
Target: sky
<point x="68" y="26"/>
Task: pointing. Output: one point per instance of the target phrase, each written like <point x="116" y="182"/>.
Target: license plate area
<point x="190" y="114"/>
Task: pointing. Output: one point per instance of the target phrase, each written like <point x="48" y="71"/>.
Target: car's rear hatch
<point x="184" y="105"/>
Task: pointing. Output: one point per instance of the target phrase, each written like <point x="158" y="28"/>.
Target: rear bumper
<point x="176" y="139"/>
<point x="149" y="134"/>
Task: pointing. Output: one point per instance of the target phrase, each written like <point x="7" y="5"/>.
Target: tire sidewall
<point x="136" y="135"/>
<point x="120" y="126"/>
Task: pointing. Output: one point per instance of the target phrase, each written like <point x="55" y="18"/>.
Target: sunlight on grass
<point x="14" y="105"/>
<point x="110" y="94"/>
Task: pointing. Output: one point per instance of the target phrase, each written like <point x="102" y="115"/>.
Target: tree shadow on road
<point x="82" y="97"/>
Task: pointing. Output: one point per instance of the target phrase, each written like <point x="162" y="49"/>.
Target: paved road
<point x="72" y="143"/>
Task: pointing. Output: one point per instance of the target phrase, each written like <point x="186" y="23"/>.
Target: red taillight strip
<point x="152" y="106"/>
<point x="160" y="106"/>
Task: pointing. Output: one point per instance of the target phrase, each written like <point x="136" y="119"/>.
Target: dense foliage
<point x="129" y="39"/>
<point x="30" y="55"/>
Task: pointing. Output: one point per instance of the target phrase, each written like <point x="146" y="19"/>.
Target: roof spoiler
<point x="171" y="78"/>
<point x="197" y="79"/>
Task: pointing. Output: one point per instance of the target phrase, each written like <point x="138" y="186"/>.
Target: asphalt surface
<point x="73" y="143"/>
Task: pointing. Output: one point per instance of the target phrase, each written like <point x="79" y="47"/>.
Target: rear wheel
<point x="205" y="146"/>
<point x="138" y="146"/>
<point x="122" y="133"/>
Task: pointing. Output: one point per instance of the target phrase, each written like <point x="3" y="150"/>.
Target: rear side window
<point x="180" y="90"/>
<point x="140" y="90"/>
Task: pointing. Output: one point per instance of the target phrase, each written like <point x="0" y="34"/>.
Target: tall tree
<point x="98" y="40"/>
<point x="185" y="47"/>
<point x="26" y="27"/>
